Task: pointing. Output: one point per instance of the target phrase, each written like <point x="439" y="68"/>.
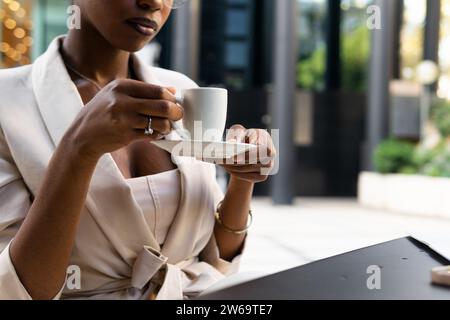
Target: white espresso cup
<point x="205" y="114"/>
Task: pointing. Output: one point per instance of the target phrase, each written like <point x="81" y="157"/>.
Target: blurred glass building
<point x="231" y="43"/>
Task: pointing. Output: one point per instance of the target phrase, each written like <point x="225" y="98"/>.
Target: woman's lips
<point x="144" y="26"/>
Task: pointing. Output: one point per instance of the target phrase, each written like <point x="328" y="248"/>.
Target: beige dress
<point x="159" y="198"/>
<point x="124" y="247"/>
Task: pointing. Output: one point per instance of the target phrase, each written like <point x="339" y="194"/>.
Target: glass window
<point x="412" y="37"/>
<point x="50" y="17"/>
<point x="236" y="54"/>
<point x="355" y="44"/>
<point x="237" y="24"/>
<point x="444" y="51"/>
<point x="238" y="2"/>
<point x="311" y="62"/>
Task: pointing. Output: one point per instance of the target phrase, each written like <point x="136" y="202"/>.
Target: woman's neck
<point x="91" y="55"/>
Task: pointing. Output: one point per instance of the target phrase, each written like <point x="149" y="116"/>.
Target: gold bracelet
<point x="219" y="220"/>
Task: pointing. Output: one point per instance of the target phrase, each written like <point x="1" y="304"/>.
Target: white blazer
<point x="114" y="248"/>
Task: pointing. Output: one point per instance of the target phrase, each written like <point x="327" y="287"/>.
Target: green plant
<point x="440" y="114"/>
<point x="423" y="156"/>
<point x="438" y="166"/>
<point x="311" y="71"/>
<point x="408" y="170"/>
<point x="355" y="50"/>
<point x="393" y="156"/>
<point x="355" y="46"/>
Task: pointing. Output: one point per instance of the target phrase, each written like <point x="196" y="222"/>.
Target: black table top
<point x="404" y="268"/>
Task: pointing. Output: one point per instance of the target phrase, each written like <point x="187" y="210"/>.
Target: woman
<point x="81" y="187"/>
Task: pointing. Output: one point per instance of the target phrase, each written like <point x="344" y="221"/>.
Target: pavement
<point x="283" y="237"/>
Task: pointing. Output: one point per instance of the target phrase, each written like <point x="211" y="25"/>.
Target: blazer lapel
<point x="56" y="94"/>
<point x="109" y="199"/>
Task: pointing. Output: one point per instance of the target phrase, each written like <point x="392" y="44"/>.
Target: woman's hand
<point x="256" y="166"/>
<point x="118" y="115"/>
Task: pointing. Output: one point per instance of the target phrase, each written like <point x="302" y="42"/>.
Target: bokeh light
<point x="16" y="32"/>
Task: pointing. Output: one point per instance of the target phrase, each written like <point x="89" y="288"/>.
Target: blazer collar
<point x="57" y="96"/>
<point x="59" y="103"/>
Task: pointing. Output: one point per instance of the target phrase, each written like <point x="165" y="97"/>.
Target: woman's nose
<point x="150" y="4"/>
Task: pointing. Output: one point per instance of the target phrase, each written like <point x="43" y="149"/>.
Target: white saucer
<point x="205" y="151"/>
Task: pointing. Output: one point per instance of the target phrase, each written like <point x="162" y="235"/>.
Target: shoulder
<point x="14" y="79"/>
<point x="17" y="74"/>
<point x="172" y="78"/>
<point x="16" y="91"/>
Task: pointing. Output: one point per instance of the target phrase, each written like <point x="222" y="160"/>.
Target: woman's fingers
<point x="241" y="169"/>
<point x="258" y="137"/>
<point x="261" y="155"/>
<point x="263" y="140"/>
<point x="251" y="177"/>
<point x="148" y="99"/>
<point x="158" y="124"/>
<point x="236" y="133"/>
<point x="172" y="90"/>
<point x="156" y="108"/>
<point x="138" y="134"/>
<point x="251" y="168"/>
<point x="254" y="165"/>
<point x="142" y="90"/>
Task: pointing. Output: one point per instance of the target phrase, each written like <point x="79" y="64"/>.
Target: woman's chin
<point x="129" y="44"/>
<point x="135" y="48"/>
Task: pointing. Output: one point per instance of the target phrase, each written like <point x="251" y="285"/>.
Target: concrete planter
<point x="407" y="194"/>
